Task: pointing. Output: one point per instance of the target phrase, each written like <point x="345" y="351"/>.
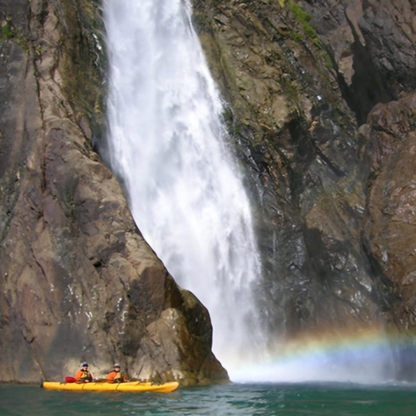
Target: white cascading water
<point x="169" y="146"/>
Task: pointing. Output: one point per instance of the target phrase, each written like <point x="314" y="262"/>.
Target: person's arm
<point x="80" y="376"/>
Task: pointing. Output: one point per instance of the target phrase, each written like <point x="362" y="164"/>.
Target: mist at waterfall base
<point x="372" y="357"/>
<point x="171" y="150"/>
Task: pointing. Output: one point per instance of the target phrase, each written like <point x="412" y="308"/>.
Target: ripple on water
<point x="234" y="399"/>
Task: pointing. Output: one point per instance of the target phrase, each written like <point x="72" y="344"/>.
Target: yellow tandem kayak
<point x="134" y="386"/>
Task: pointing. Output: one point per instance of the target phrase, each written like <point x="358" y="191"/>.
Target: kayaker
<point x="116" y="376"/>
<point x="83" y="375"/>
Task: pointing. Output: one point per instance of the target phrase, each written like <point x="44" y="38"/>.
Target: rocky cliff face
<point x="77" y="280"/>
<point x="321" y="109"/>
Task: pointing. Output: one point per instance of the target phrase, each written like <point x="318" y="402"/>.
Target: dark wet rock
<point x="372" y="47"/>
<point x="300" y="78"/>
<point x="297" y="137"/>
<point x="391" y="213"/>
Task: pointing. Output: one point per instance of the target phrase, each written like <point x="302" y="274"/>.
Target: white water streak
<point x="169" y="146"/>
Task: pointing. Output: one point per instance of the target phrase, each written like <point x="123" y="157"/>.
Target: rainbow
<point x="368" y="356"/>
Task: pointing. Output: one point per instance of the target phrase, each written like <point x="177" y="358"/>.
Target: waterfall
<point x="171" y="149"/>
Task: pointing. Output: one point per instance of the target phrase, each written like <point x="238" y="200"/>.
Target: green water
<point x="236" y="399"/>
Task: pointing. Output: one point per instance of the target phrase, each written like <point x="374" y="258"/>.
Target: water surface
<point x="235" y="399"/>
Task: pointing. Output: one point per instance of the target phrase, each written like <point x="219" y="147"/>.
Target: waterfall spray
<point x="170" y="148"/>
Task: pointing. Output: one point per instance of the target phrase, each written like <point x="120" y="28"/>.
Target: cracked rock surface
<point x="320" y="98"/>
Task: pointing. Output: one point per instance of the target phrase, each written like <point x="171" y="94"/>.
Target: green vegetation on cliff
<point x="304" y="19"/>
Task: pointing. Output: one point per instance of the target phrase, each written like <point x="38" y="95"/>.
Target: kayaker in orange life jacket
<point x="83" y="375"/>
<point x="116" y="376"/>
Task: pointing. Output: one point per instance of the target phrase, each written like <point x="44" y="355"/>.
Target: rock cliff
<point x="321" y="108"/>
<point x="78" y="282"/>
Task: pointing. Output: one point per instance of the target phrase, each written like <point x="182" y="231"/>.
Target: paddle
<point x="73" y="380"/>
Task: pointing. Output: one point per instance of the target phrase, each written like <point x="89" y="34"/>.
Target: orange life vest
<point x="83" y="375"/>
<point x="116" y="376"/>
